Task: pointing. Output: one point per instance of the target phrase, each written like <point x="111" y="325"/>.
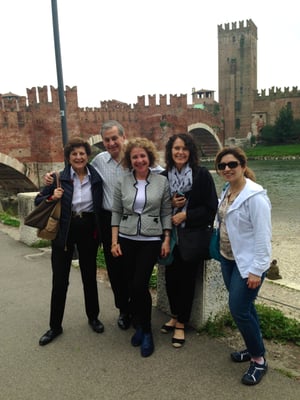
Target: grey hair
<point x="110" y="124"/>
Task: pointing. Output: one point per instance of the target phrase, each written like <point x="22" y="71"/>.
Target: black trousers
<point x="139" y="258"/>
<point x="180" y="286"/>
<point x="82" y="233"/>
<point x="115" y="268"/>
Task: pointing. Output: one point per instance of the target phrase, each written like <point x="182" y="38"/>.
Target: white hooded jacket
<point x="248" y="223"/>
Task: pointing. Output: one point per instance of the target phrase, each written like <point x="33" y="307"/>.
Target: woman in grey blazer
<point x="141" y="224"/>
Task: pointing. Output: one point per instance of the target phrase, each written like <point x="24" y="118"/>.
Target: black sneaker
<point x="240" y="356"/>
<point x="255" y="373"/>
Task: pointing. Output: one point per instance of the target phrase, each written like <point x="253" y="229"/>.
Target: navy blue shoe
<point x="147" y="346"/>
<point x="137" y="338"/>
<point x="255" y="373"/>
<point x="240" y="356"/>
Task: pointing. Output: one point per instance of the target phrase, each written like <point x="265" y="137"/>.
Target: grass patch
<point x="41" y="243"/>
<point x="274" y="325"/>
<point x="288" y="150"/>
<point x="153" y="279"/>
<point x="8" y="219"/>
<point x="217" y="326"/>
<point x="100" y="259"/>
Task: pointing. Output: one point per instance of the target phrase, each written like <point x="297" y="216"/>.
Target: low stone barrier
<point x="25" y="206"/>
<point x="211" y="297"/>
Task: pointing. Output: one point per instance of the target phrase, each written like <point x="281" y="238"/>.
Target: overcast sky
<point x="123" y="49"/>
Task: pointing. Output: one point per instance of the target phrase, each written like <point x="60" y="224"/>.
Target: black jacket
<point x="203" y="200"/>
<point x="66" y="201"/>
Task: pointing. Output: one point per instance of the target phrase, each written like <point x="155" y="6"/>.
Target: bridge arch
<point x="95" y="139"/>
<point x="206" y="138"/>
<point x="17" y="175"/>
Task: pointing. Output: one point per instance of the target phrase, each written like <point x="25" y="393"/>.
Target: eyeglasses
<point x="231" y="165"/>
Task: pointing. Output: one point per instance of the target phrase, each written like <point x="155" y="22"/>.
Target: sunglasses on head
<point x="230" y="164"/>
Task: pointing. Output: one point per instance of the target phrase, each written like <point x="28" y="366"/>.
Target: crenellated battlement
<point x="238" y="27"/>
<point x="42" y="97"/>
<point x="175" y="101"/>
<point x="275" y="93"/>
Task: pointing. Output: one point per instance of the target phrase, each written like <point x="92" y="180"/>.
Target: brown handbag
<point x="45" y="217"/>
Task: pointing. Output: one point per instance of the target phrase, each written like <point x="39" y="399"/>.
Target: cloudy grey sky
<point x="124" y="49"/>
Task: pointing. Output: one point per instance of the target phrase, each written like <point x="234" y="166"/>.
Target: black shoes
<point x="167" y="328"/>
<point x="49" y="336"/>
<point x="255" y="373"/>
<point x="124" y="321"/>
<point x="240" y="356"/>
<point x="176" y="342"/>
<point x="96" y="325"/>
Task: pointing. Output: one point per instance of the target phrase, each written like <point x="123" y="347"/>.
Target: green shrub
<point x="276" y="326"/>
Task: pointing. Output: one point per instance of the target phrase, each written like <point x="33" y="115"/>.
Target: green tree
<point x="296" y="131"/>
<point x="268" y="135"/>
<point x="284" y="125"/>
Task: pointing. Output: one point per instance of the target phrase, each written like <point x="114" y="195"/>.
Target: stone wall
<point x="25" y="206"/>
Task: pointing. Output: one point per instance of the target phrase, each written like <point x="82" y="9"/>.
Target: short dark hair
<point x="75" y="142"/>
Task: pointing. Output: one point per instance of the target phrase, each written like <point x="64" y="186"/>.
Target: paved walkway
<point x="81" y="365"/>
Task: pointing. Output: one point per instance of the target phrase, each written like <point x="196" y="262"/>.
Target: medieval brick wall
<point x="30" y="129"/>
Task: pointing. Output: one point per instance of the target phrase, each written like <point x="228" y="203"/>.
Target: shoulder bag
<point x="214" y="245"/>
<point x="45" y="217"/>
<point x="193" y="243"/>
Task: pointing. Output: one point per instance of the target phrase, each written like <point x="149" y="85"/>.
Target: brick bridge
<point x="31" y="138"/>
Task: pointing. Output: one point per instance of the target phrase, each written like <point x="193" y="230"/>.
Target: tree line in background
<point x="285" y="131"/>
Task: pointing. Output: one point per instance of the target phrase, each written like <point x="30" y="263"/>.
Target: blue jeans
<point x="242" y="308"/>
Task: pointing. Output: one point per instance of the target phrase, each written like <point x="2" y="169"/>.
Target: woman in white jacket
<point x="244" y="216"/>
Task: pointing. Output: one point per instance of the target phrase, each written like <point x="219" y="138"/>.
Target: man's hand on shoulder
<point x="48" y="178"/>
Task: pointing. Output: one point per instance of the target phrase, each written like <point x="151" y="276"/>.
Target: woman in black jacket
<point x="194" y="202"/>
<point x="80" y="191"/>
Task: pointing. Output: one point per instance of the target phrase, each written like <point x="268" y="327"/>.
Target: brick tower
<point x="237" y="52"/>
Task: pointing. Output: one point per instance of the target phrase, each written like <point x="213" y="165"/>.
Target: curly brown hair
<point x="142" y="143"/>
<point x="75" y="142"/>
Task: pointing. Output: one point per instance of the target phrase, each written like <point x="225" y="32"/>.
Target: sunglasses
<point x="231" y="165"/>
